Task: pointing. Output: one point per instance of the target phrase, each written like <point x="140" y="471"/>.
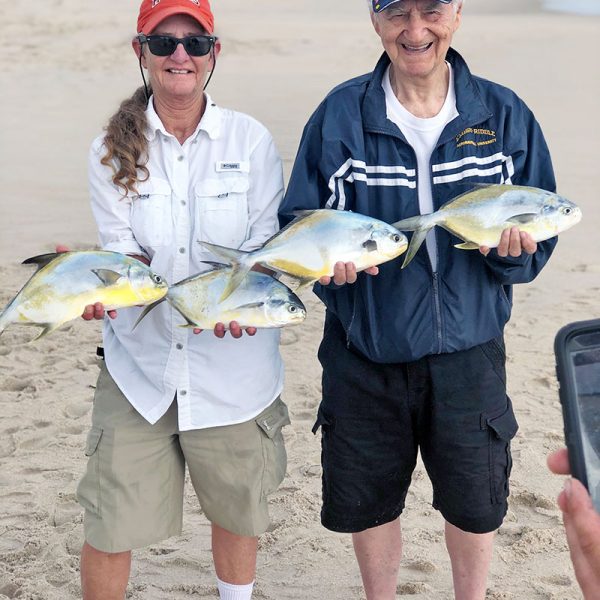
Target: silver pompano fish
<point x="481" y="215"/>
<point x="311" y="244"/>
<point x="259" y="301"/>
<point x="65" y="283"/>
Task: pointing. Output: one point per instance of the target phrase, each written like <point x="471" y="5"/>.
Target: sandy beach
<point x="65" y="66"/>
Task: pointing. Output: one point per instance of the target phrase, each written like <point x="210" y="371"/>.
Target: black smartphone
<point x="577" y="351"/>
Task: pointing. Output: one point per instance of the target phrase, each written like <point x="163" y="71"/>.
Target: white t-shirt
<point x="422" y="135"/>
<point x="223" y="185"/>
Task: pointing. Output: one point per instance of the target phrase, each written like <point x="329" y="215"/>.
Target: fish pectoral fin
<point x="370" y="246"/>
<point x="106" y="276"/>
<point x="467" y="246"/>
<point x="522" y="219"/>
<point x="251" y="305"/>
<point x="41" y="260"/>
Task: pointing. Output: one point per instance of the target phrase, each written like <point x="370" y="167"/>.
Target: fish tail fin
<point x="240" y="262"/>
<point x="421" y="224"/>
<point x="410" y="224"/>
<point x="146" y="311"/>
<point x="46" y="329"/>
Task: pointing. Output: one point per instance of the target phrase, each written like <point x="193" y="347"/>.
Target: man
<point x="413" y="359"/>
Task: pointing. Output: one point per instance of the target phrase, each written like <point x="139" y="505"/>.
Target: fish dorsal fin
<point x="299" y="216"/>
<point x="473" y="188"/>
<point x="522" y="219"/>
<point x="106" y="276"/>
<point x="42" y="260"/>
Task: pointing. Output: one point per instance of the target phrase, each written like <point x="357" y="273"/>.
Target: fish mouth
<point x="420" y="49"/>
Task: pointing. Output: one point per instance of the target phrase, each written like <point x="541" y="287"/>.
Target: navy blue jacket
<point x="351" y="157"/>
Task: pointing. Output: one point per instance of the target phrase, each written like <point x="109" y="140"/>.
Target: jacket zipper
<point x="437" y="309"/>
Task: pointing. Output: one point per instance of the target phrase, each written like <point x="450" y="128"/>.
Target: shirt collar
<point x="210" y="121"/>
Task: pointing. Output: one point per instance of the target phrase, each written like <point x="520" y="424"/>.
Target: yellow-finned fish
<point x="481" y="215"/>
<point x="308" y="248"/>
<point x="259" y="301"/>
<point x="65" y="283"/>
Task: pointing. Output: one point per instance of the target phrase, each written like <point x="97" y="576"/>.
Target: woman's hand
<point x="234" y="328"/>
<point x="91" y="311"/>
<point x="345" y="273"/>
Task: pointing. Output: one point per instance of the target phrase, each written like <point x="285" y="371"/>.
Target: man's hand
<point x="513" y="242"/>
<point x="234" y="328"/>
<point x="91" y="311"/>
<point x="345" y="273"/>
<point x="582" y="526"/>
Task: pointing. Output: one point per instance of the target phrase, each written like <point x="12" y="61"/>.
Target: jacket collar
<point x="210" y="121"/>
<point x="469" y="103"/>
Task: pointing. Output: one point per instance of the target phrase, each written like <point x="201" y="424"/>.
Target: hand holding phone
<point x="577" y="351"/>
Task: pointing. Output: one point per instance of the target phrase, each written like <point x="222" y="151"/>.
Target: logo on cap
<point x="155" y="2"/>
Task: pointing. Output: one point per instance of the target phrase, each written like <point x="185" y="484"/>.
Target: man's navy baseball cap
<point x="379" y="5"/>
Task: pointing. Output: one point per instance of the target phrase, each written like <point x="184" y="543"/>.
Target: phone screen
<point x="584" y="352"/>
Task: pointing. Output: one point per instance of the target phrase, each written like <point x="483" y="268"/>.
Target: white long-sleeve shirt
<point x="223" y="185"/>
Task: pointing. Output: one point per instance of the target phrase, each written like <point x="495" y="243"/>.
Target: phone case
<point x="568" y="394"/>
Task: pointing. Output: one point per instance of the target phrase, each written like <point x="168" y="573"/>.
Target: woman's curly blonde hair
<point x="126" y="143"/>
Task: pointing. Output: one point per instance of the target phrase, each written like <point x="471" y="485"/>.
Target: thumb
<point x="61" y="248"/>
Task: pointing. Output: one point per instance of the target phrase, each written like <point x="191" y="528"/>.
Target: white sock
<point x="229" y="591"/>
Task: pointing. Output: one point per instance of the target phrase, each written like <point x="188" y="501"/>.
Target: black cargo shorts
<point x="376" y="417"/>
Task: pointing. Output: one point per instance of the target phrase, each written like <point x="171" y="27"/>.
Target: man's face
<point x="416" y="35"/>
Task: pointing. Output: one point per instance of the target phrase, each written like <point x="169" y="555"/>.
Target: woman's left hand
<point x="234" y="328"/>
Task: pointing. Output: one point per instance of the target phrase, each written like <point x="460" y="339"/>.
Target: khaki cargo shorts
<point x="132" y="491"/>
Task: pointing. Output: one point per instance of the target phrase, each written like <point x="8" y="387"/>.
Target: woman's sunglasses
<point x="165" y="45"/>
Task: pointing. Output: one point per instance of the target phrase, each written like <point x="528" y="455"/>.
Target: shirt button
<point x="183" y="393"/>
<point x="183" y="203"/>
<point x="179" y="346"/>
<point x="180" y="158"/>
<point x="181" y="250"/>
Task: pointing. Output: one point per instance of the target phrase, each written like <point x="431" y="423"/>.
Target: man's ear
<point x="217" y="51"/>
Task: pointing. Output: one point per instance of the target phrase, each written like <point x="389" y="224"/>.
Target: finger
<point x="251" y="331"/>
<point x="219" y="330"/>
<point x="235" y="330"/>
<point x="527" y="243"/>
<point x="503" y="243"/>
<point x="558" y="462"/>
<point x="514" y="245"/>
<point x="112" y="314"/>
<point x="484" y="250"/>
<point x="325" y="280"/>
<point x="98" y="310"/>
<point x="339" y="273"/>
<point x="351" y="275"/>
<point x="372" y="271"/>
<point x="196" y="330"/>
<point x="88" y="312"/>
<point x="61" y="248"/>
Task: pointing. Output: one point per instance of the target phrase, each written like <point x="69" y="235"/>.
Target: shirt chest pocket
<point x="222" y="211"/>
<point x="151" y="214"/>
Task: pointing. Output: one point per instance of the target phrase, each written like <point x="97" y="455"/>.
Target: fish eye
<point x="396" y="238"/>
<point x="293" y="309"/>
<point x="157" y="279"/>
<point x="567" y="210"/>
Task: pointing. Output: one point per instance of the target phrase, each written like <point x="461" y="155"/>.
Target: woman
<point x="172" y="170"/>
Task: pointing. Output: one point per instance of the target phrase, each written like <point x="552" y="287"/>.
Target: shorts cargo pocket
<point x="502" y="428"/>
<point x="495" y="352"/>
<point x="271" y="421"/>
<point x="88" y="490"/>
<point x="326" y="424"/>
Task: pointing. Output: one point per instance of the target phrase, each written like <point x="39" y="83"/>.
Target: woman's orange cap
<point x="152" y="12"/>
